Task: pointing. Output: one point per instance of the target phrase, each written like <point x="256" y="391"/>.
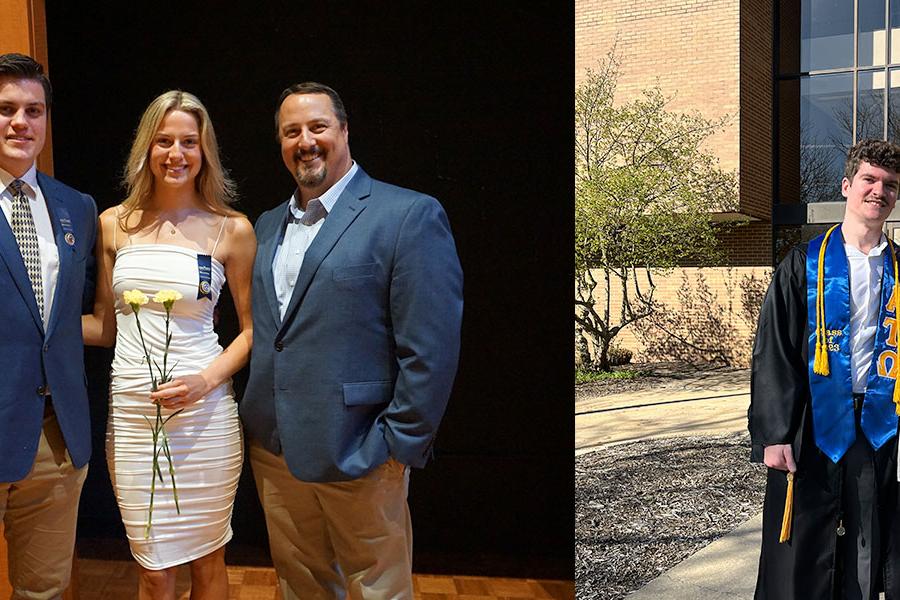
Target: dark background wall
<point x="468" y="102"/>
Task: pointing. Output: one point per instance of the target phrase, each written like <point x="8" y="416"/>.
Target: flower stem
<point x="137" y="320"/>
<point x="159" y="427"/>
<point x="152" y="494"/>
<point x="171" y="471"/>
<point x="165" y="373"/>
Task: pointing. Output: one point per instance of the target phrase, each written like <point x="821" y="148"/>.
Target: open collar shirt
<point x="866" y="271"/>
<point x="297" y="239"/>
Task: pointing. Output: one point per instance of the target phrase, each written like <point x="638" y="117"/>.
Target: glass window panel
<point x="826" y="133"/>
<point x="786" y="237"/>
<point x="895" y="30"/>
<point x="872" y="34"/>
<point x="813" y="230"/>
<point x="826" y="34"/>
<point x="870" y="105"/>
<point x="894" y="107"/>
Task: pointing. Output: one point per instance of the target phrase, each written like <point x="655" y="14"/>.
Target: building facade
<point x="800" y="81"/>
<point x="835" y="65"/>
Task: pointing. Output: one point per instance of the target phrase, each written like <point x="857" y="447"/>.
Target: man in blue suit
<point x="357" y="303"/>
<point x="46" y="242"/>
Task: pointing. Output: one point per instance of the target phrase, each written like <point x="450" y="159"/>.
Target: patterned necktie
<point x="26" y="235"/>
<point x="315" y="212"/>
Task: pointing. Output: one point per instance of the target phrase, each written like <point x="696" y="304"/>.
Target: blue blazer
<point x="34" y="359"/>
<point x="362" y="365"/>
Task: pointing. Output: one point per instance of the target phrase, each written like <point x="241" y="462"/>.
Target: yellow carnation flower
<point x="167" y="297"/>
<point x="135" y="298"/>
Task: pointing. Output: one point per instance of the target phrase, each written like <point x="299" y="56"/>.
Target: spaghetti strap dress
<point x="205" y="438"/>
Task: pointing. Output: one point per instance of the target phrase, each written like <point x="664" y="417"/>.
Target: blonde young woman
<point x="175" y="230"/>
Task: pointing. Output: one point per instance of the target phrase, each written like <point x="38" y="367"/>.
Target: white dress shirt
<point x="866" y="271"/>
<point x="297" y="239"/>
<point x="46" y="242"/>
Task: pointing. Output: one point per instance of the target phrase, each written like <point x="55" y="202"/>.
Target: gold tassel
<point x="820" y="362"/>
<point x="788" y="510"/>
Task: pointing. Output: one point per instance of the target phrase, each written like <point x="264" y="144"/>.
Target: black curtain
<point x="469" y="102"/>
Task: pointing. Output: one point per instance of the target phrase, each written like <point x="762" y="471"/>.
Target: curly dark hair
<point x="875" y="152"/>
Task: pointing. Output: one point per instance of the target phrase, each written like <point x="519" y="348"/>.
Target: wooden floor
<point x="117" y="580"/>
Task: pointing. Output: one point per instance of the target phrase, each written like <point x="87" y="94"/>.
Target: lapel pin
<point x="70" y="238"/>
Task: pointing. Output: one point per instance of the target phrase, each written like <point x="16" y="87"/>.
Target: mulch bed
<point x="641" y="508"/>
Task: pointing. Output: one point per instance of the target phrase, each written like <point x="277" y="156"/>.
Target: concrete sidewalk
<point x="724" y="570"/>
<point x="706" y="403"/>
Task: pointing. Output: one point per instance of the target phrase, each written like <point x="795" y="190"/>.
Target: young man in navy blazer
<point x="357" y="304"/>
<point x="46" y="250"/>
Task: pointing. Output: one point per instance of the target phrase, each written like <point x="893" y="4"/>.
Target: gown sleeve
<point x="779" y="381"/>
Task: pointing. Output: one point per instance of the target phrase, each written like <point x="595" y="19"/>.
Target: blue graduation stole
<point x="831" y="382"/>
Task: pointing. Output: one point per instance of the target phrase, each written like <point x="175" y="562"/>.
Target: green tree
<point x="645" y="192"/>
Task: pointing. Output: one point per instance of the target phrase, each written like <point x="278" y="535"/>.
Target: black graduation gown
<point x="807" y="567"/>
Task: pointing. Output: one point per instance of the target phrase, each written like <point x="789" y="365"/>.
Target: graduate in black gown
<point x="823" y="401"/>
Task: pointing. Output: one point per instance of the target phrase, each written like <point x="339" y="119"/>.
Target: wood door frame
<point x="23" y="29"/>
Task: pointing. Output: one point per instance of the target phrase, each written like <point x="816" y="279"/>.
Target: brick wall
<point x="741" y="244"/>
<point x="709" y="315"/>
<point x="747" y="245"/>
<point x="690" y="48"/>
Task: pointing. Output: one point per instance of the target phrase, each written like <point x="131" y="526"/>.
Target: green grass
<point x="582" y="376"/>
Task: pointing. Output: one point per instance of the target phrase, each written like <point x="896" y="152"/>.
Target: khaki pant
<point x="331" y="540"/>
<point x="39" y="514"/>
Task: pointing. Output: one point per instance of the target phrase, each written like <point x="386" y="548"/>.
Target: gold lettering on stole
<point x="833" y="344"/>
<point x="889" y="355"/>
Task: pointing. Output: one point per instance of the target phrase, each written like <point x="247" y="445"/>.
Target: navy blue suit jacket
<point x="33" y="358"/>
<point x="363" y="363"/>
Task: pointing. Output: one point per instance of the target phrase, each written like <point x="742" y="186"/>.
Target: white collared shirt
<point x="298" y="238"/>
<point x="46" y="242"/>
<point x="866" y="271"/>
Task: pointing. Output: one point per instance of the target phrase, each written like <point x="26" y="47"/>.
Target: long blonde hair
<point x="215" y="188"/>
